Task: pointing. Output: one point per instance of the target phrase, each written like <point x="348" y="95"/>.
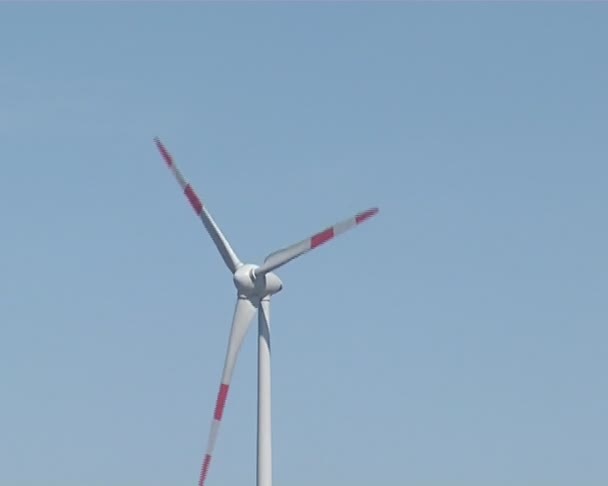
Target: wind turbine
<point x="255" y="285"/>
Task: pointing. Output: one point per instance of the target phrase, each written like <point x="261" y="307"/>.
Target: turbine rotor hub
<point x="249" y="284"/>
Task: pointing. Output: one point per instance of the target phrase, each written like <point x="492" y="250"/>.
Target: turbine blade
<point x="227" y="253"/>
<point x="243" y="314"/>
<point x="281" y="257"/>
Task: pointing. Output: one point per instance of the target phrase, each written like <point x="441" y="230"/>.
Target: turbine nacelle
<point x="252" y="285"/>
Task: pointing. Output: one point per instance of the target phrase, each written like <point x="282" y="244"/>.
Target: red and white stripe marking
<point x="280" y="257"/>
<point x="228" y="255"/>
<point x="339" y="228"/>
<point x="244" y="311"/>
<point x="195" y="202"/>
<point x="220" y="403"/>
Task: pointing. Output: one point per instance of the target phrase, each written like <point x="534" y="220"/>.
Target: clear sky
<point x="457" y="339"/>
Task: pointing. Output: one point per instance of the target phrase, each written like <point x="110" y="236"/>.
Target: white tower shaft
<point x="264" y="464"/>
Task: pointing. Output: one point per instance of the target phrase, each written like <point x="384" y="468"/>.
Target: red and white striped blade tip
<point x="163" y="151"/>
<point x="339" y="228"/>
<point x="366" y="214"/>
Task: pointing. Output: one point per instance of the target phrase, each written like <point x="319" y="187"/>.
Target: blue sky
<point x="457" y="339"/>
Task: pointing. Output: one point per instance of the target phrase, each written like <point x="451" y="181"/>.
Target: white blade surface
<point x="228" y="255"/>
<point x="243" y="314"/>
<point x="281" y="257"/>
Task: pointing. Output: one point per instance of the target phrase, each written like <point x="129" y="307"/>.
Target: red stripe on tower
<point x="204" y="470"/>
<point x="365" y="215"/>
<point x="163" y="151"/>
<point x="195" y="202"/>
<point x="321" y="237"/>
<point x="221" y="402"/>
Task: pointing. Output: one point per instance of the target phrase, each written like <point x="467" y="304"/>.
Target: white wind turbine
<point x="255" y="284"/>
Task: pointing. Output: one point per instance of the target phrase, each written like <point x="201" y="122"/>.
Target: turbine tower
<point x="255" y="284"/>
